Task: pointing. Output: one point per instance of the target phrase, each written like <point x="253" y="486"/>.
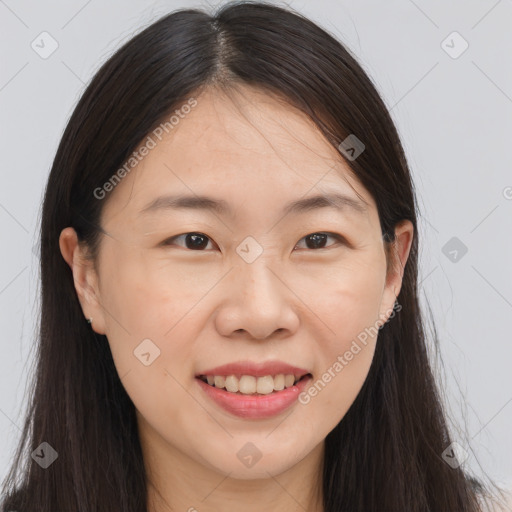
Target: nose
<point x="259" y="304"/>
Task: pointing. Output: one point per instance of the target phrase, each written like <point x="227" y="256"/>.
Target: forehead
<point x="247" y="148"/>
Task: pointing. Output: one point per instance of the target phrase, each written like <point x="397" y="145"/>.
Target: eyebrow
<point x="337" y="201"/>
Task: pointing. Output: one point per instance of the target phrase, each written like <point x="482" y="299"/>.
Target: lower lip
<point x="255" y="406"/>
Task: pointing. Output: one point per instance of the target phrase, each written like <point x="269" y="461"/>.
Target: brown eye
<point x="193" y="241"/>
<point x="199" y="241"/>
<point x="318" y="240"/>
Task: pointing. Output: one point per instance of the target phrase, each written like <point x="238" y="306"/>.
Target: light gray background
<point x="455" y="119"/>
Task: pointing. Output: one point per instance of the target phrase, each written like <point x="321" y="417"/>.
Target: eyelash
<point x="341" y="239"/>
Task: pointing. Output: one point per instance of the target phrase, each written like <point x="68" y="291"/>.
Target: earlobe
<point x="84" y="277"/>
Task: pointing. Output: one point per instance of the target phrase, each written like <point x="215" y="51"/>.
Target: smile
<point x="250" y="384"/>
<point x="255" y="405"/>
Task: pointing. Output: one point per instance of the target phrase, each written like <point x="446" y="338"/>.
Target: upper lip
<point x="256" y="369"/>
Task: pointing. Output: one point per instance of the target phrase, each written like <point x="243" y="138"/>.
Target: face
<point x="286" y="290"/>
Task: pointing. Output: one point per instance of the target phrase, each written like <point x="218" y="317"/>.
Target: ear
<point x="84" y="277"/>
<point x="398" y="254"/>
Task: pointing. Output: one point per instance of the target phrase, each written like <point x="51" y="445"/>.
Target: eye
<point x="193" y="241"/>
<point x="317" y="240"/>
<point x="199" y="241"/>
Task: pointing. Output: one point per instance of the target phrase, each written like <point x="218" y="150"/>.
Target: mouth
<point x="242" y="384"/>
<point x="254" y="397"/>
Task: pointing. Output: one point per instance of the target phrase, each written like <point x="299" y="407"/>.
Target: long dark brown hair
<point x="385" y="454"/>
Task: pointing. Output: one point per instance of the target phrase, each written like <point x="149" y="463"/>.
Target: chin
<point x="261" y="470"/>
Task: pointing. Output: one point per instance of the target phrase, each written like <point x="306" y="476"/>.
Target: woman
<point x="266" y="367"/>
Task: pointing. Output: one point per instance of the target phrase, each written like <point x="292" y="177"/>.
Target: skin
<point x="207" y="307"/>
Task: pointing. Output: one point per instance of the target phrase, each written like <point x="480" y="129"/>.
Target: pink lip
<point x="256" y="369"/>
<point x="255" y="406"/>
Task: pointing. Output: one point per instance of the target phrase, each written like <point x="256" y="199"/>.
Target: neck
<point x="177" y="482"/>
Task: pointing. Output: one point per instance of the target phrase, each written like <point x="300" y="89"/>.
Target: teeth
<point x="279" y="382"/>
<point x="289" y="380"/>
<point x="219" y="381"/>
<point x="265" y="385"/>
<point x="249" y="384"/>
<point x="231" y="384"/>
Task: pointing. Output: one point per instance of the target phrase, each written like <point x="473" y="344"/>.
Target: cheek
<point x="346" y="296"/>
<point x="149" y="309"/>
<point x="348" y="307"/>
<point x="148" y="295"/>
<point x="149" y="312"/>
